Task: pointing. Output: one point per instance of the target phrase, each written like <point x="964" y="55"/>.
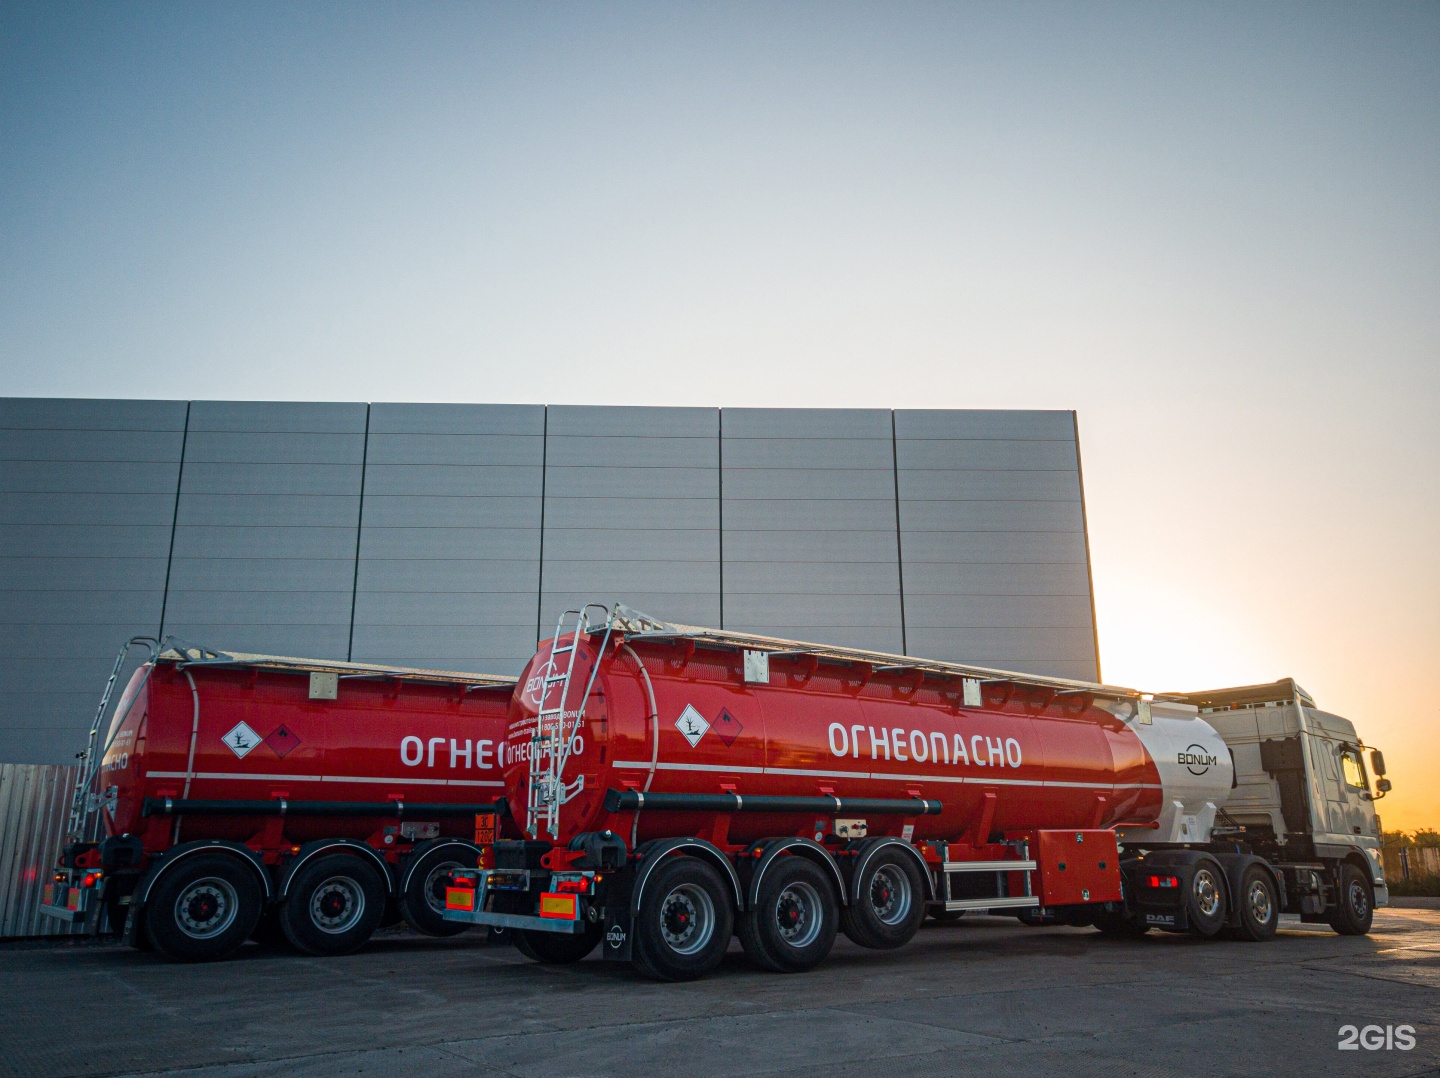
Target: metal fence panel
<point x="34" y="808"/>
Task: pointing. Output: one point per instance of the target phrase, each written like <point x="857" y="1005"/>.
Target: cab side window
<point x="1352" y="769"/>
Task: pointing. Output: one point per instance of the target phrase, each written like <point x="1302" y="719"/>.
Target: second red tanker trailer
<point x="677" y="786"/>
<point x="304" y="800"/>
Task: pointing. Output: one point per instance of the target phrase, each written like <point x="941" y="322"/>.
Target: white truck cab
<point x="1305" y="785"/>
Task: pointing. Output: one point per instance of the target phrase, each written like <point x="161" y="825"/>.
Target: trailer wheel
<point x="684" y="923"/>
<point x="889" y="902"/>
<point x="1259" y="912"/>
<point x="1354" y="910"/>
<point x="796" y="916"/>
<point x="203" y="909"/>
<point x="1205" y="900"/>
<point x="555" y="949"/>
<point x="334" y="905"/>
<point x="423" y="903"/>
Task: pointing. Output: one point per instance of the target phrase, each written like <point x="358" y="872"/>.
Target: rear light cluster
<point x="572" y="885"/>
<point x="1164" y="881"/>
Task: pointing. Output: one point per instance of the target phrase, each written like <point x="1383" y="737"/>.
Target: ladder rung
<point x="555" y="677"/>
<point x="562" y="651"/>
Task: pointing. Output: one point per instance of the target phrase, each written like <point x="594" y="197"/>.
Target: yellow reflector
<point x="565" y="907"/>
<point x="459" y="898"/>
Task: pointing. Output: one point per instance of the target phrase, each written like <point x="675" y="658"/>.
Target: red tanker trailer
<point x="303" y="800"/>
<point x="678" y="785"/>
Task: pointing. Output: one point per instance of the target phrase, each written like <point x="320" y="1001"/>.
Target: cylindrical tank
<point x="250" y="731"/>
<point x="677" y="715"/>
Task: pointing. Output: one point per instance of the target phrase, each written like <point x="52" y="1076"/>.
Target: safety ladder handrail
<point x="547" y="789"/>
<point x="78" y="827"/>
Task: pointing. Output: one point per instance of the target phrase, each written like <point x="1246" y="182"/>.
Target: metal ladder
<point x="82" y="802"/>
<point x="552" y="742"/>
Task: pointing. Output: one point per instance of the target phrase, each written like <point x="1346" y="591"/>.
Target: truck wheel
<point x="684" y="923"/>
<point x="796" y="915"/>
<point x="334" y="905"/>
<point x="423" y="903"/>
<point x="555" y="949"/>
<point x="203" y="909"/>
<point x="1354" y="910"/>
<point x="1259" y="912"/>
<point x="889" y="902"/>
<point x="1205" y="901"/>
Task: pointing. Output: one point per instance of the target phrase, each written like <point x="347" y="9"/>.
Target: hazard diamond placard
<point x="241" y="740"/>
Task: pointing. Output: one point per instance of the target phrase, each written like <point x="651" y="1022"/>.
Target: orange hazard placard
<point x="564" y="907"/>
<point x="484" y="828"/>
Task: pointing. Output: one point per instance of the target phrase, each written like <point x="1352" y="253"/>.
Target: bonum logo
<point x="1196" y="760"/>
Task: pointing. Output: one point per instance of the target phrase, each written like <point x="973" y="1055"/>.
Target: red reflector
<point x="571" y="887"/>
<point x="460" y="898"/>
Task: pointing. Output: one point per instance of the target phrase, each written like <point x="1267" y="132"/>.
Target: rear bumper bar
<point x="515" y="920"/>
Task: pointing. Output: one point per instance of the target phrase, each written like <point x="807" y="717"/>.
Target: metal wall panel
<point x="450" y="540"/>
<point x="34" y="808"/>
<point x="458" y="502"/>
<point x="87" y="498"/>
<point x="266" y="529"/>
<point x="809" y="525"/>
<point x="992" y="535"/>
<point x="632" y="512"/>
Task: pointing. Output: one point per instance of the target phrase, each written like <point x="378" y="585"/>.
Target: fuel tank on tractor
<point x="676" y="709"/>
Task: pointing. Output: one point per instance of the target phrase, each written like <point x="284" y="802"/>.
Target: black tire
<point x="1205" y="903"/>
<point x="685" y="921"/>
<point x="555" y="949"/>
<point x="1354" y="911"/>
<point x="422" y="903"/>
<point x="889" y="901"/>
<point x="203" y="909"/>
<point x="1258" y="907"/>
<point x="1116" y="924"/>
<point x="333" y="906"/>
<point x="795" y="917"/>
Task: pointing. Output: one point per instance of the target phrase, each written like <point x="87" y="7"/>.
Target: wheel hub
<point x="206" y="908"/>
<point x="337" y="905"/>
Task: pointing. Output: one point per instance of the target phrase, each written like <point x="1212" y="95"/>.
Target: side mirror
<point x="1377" y="762"/>
<point x="1383" y="785"/>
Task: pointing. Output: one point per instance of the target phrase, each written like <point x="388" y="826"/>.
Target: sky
<point x="1211" y="229"/>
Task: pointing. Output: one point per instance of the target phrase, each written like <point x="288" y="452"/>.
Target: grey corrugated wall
<point x="34" y="808"/>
